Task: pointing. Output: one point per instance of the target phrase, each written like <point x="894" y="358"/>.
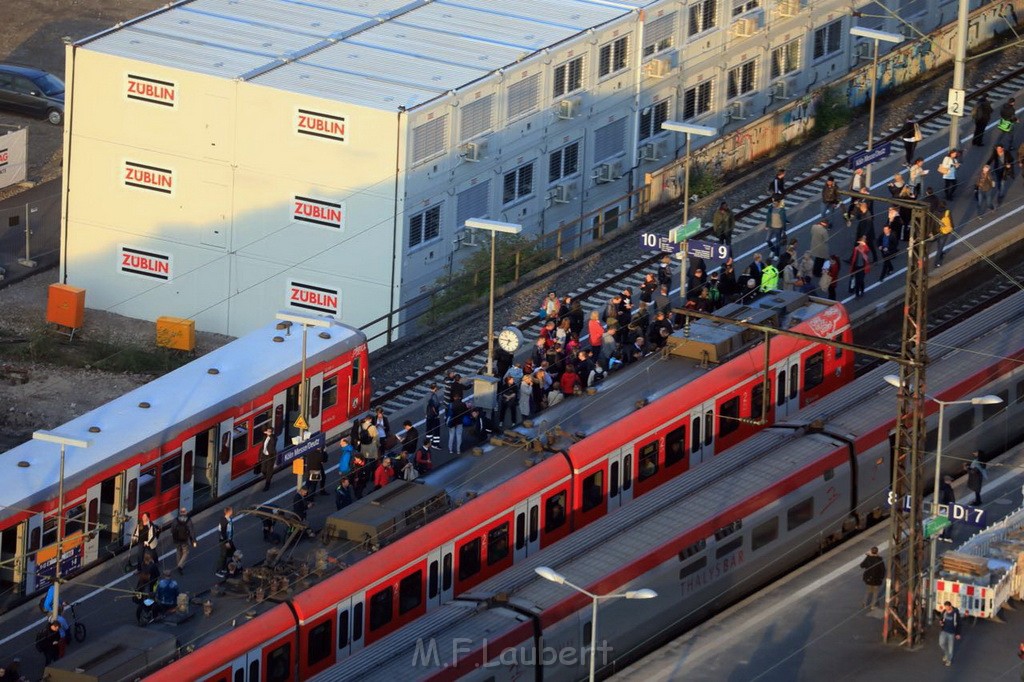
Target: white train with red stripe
<point x="185" y="439"/>
<point x="627" y="453"/>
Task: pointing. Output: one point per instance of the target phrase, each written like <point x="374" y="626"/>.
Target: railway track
<point x="749" y="217"/>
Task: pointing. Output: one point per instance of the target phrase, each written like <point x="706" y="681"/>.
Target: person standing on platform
<point x="315" y="472"/>
<point x="859" y="266"/>
<point x="947" y="496"/>
<point x="917" y="173"/>
<point x="146" y="536"/>
<point x="226" y="534"/>
<point x="985" y="190"/>
<point x="184" y="535"/>
<point x="410" y="439"/>
<point x="950" y="632"/>
<point x="775" y="223"/>
<point x="981" y="114"/>
<point x="829" y="197"/>
<point x="888" y="244"/>
<point x="433" y="417"/>
<point x="1000" y="165"/>
<point x="723" y="222"/>
<point x="819" y="245"/>
<point x="976" y="475"/>
<point x="874" y="576"/>
<point x="1007" y="122"/>
<point x="947" y="169"/>
<point x="911" y="135"/>
<point x="268" y="456"/>
<point x="778" y="183"/>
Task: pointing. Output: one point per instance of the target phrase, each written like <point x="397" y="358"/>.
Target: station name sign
<point x="318" y="212"/>
<point x="149" y="264"/>
<point x="319" y="124"/>
<point x="151" y="91"/>
<point x="312" y="297"/>
<point x="150" y="178"/>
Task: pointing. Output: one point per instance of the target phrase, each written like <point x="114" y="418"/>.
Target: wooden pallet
<point x="967" y="564"/>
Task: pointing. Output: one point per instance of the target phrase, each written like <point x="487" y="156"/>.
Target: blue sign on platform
<point x="312" y="443"/>
<point x="710" y="252"/>
<point x="972" y="516"/>
<point x="864" y="158"/>
<point x="652" y="240"/>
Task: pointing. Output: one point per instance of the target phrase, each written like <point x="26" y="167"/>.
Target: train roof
<point x="177" y="401"/>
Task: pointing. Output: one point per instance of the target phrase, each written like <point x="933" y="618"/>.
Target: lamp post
<point x="687" y="129"/>
<point x="494" y="227"/>
<point x="63" y="441"/>
<point x="306" y="321"/>
<point x="894" y="380"/>
<point x="876" y="36"/>
<point x="554" y="576"/>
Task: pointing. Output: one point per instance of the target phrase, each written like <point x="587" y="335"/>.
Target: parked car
<point x="27" y="90"/>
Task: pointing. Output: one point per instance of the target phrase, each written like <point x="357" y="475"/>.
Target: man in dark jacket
<point x="950" y="618"/>
<point x="874" y="576"/>
<point x="315" y="472"/>
<point x="976" y="476"/>
<point x="982" y="114"/>
<point x="268" y="456"/>
<point x="343" y="494"/>
<point x="301" y="502"/>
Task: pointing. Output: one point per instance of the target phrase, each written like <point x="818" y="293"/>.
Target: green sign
<point x="678" y="234"/>
<point x="935" y="525"/>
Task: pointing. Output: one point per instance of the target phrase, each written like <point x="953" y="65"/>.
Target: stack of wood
<point x="964" y="564"/>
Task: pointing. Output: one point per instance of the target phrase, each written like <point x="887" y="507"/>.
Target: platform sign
<point x="955" y="102"/>
<point x="972" y="516"/>
<point x="294" y="452"/>
<point x="652" y="240"/>
<point x="683" y="232"/>
<point x="935" y="525"/>
<point x="710" y="252"/>
<point x="864" y="158"/>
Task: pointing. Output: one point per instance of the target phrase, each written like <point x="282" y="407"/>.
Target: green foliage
<point x="703" y="182"/>
<point x="833" y="112"/>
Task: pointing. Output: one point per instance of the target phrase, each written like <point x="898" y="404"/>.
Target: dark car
<point x="32" y="91"/>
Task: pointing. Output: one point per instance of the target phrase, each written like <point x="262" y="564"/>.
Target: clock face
<point x="510" y="338"/>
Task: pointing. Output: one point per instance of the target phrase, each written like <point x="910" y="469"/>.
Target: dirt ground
<point x="31" y="33"/>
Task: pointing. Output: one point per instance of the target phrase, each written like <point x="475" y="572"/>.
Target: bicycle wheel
<point x="80" y="632"/>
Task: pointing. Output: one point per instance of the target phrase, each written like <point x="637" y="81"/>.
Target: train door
<point x="224" y="442"/>
<point x="203" y="466"/>
<point x="12" y="564"/>
<point x="315" y="411"/>
<point x="93" y="509"/>
<point x="355" y="387"/>
<point x="620" y="489"/>
<point x="436" y="594"/>
<point x="527" y="518"/>
<point x="787" y="388"/>
<point x="188" y="448"/>
<point x="130" y="506"/>
<point x="30" y="544"/>
<point x="246" y="668"/>
<point x="702" y="433"/>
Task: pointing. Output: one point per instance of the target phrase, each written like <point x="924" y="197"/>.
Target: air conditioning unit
<point x="653" y="151"/>
<point x="789" y="8"/>
<point x="862" y="50"/>
<point x="564" y="193"/>
<point x="608" y="172"/>
<point x="469" y="237"/>
<point x="781" y="89"/>
<point x="474" y="151"/>
<point x="657" y="68"/>
<point x="743" y="28"/>
<point x="739" y="110"/>
<point x="567" y="109"/>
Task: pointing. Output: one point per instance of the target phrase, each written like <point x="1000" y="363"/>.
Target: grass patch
<point x="833" y="112"/>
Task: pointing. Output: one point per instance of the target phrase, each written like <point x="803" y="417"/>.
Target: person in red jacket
<point x="860" y="264"/>
<point x="570" y="380"/>
<point x="385" y="473"/>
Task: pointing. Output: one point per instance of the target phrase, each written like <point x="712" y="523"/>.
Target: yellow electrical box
<point x="176" y="332"/>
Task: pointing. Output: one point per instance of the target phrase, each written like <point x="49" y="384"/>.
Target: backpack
<point x="179" y="531"/>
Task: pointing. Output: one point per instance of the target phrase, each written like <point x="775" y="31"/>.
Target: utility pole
<point x="963" y="12"/>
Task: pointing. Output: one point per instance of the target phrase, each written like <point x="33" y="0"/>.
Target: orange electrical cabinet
<point x="176" y="332"/>
<point x="65" y="305"/>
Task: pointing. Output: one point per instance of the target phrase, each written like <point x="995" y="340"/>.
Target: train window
<point x="94" y="513"/>
<point x="695" y="567"/>
<point x="49" y="531"/>
<point x="239" y="675"/>
<point x="75" y="519"/>
<point x="757" y="401"/>
<point x="497" y="544"/>
<point x="357" y="622"/>
<point x="764" y="533"/>
<point x="613" y="480"/>
<point x="446" y="572"/>
<point x="318" y="643"/>
<point x="794" y="381"/>
<point x="709" y="427"/>
<point x="838" y="351"/>
<point x="170" y="473"/>
<point x="520" y="530"/>
<point x="554" y="512"/>
<point x="131" y="498"/>
<point x="675" y="446"/>
<point x="410" y="592"/>
<point x="829" y="474"/>
<point x="254" y="670"/>
<point x="330" y="395"/>
<point x="695" y="548"/>
<point x="278" y="422"/>
<point x="355" y="371"/>
<point x="780" y="389"/>
<point x="695" y="434"/>
<point x="627" y="472"/>
<point x="259" y="422"/>
<point x="147" y="485"/>
<point x="432" y="578"/>
<point x="186" y="474"/>
<point x="726" y="531"/>
<point x="814" y="369"/>
<point x="343" y="629"/>
<point x="240" y="434"/>
<point x="534" y="522"/>
<point x="381" y="608"/>
<point x="34" y="539"/>
<point x="728" y="416"/>
<point x="279" y="664"/>
<point x="469" y="559"/>
<point x="961" y="424"/>
<point x="988" y="411"/>
<point x="1020" y="390"/>
<point x="729" y="547"/>
<point x="224" y="455"/>
<point x="648" y="460"/>
<point x="800" y="513"/>
<point x="593" y="490"/>
<point x="931" y="439"/>
<point x="314" y="402"/>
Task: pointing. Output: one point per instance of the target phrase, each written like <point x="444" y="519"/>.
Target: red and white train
<point x="703" y="541"/>
<point x="185" y="439"/>
<point x="620" y="459"/>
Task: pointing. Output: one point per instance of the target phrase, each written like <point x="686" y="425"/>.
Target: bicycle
<point x="77" y="629"/>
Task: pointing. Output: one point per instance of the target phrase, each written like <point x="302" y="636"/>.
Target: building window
<point x="740" y="7"/>
<point x="785" y="59"/>
<point x="651" y="119"/>
<point x="741" y="79"/>
<point x="613" y="56"/>
<point x="609" y="140"/>
<point x="524" y="97"/>
<point x="477" y="117"/>
<point x="425" y="226"/>
<point x="564" y="162"/>
<point x="828" y="39"/>
<point x="428" y="139"/>
<point x="703" y="16"/>
<point x="568" y="77"/>
<point x="697" y="100"/>
<point x="517" y="184"/>
<point x="660" y="34"/>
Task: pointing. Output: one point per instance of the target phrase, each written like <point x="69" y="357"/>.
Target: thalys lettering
<point x="5" y="156"/>
<point x="148" y="177"/>
<point x="145" y="263"/>
<point x="697" y="580"/>
<point x="151" y="90"/>
<point x="320" y="125"/>
<point x="317" y="212"/>
<point x="311" y="297"/>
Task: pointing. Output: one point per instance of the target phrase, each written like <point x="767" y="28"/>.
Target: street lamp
<point x="877" y="36"/>
<point x="554" y="576"/>
<point x="63" y="441"/>
<point x="494" y="227"/>
<point x="893" y="380"/>
<point x="306" y="321"/>
<point x="688" y="129"/>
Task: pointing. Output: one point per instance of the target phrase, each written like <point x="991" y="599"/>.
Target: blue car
<point x="35" y="92"/>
